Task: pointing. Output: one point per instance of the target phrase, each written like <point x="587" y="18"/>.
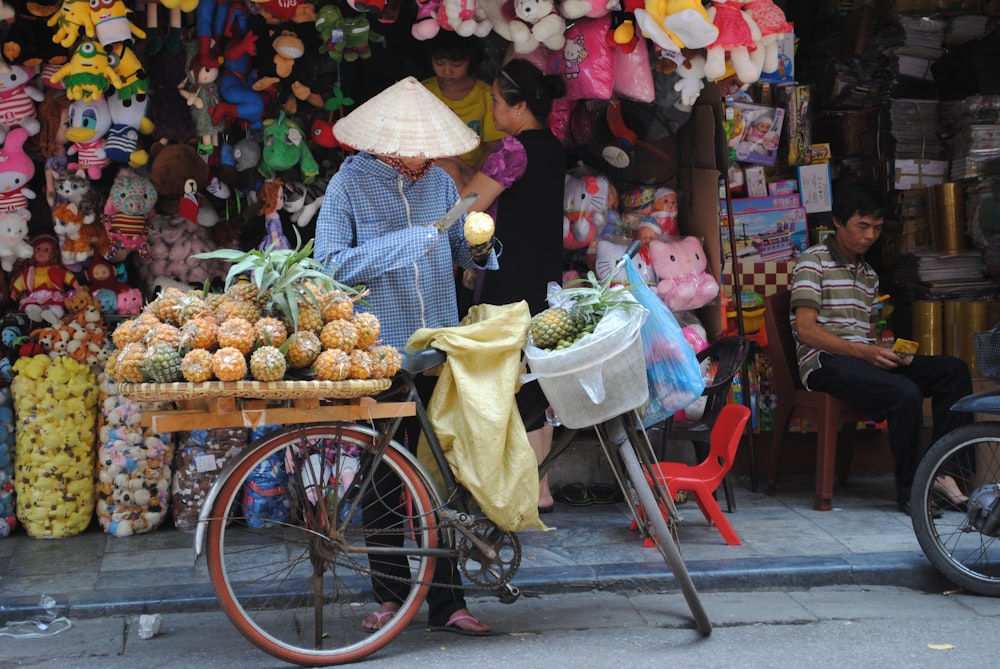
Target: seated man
<point x="834" y="293"/>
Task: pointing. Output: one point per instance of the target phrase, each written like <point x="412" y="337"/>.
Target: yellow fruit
<point x="332" y="365"/>
<point x="237" y="333"/>
<point x="478" y="228"/>
<point x="337" y="305"/>
<point x="232" y="308"/>
<point x="267" y="364"/>
<point x="368" y="328"/>
<point x="196" y="366"/>
<point x="229" y="364"/>
<point x="339" y="334"/>
<point x="389" y="361"/>
<point x="163" y="333"/>
<point x="303" y="347"/>
<point x="362" y="363"/>
<point x="130" y="363"/>
<point x="270" y="332"/>
<point x="200" y="332"/>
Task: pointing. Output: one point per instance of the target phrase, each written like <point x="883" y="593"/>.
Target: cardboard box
<point x="796" y="102"/>
<point x="783" y="187"/>
<point x="745" y="205"/>
<point x="766" y="236"/>
<point x="815" y="188"/>
<point x="754" y="132"/>
<point x="756" y="181"/>
<point x="919" y="173"/>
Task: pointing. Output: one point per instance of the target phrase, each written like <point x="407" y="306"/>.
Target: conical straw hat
<point x="406" y="121"/>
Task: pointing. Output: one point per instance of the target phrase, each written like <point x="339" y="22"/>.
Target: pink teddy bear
<point x="680" y="267"/>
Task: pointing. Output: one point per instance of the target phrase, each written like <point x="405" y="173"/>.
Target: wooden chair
<point x="729" y="355"/>
<point x="794" y="401"/>
<point x="702" y="479"/>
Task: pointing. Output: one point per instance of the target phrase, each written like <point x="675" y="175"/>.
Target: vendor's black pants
<point x="897" y="396"/>
<point x="442" y="601"/>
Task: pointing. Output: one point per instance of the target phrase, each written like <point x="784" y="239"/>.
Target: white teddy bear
<point x="535" y="22"/>
<point x="13" y="231"/>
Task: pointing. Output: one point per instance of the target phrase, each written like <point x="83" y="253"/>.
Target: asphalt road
<point x="823" y="627"/>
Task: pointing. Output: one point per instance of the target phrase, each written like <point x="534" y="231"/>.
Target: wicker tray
<point x="265" y="390"/>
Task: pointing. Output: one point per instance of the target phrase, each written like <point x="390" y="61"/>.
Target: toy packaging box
<point x="754" y="132"/>
<point x="767" y="229"/>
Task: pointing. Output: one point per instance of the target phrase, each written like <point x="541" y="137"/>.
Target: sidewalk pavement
<point x="786" y="545"/>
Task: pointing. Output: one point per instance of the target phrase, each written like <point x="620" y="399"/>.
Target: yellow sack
<point x="475" y="416"/>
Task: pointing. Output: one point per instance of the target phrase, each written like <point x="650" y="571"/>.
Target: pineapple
<point x="286" y="280"/>
<point x="237" y="333"/>
<point x="161" y="364"/>
<point x="267" y="364"/>
<point x="337" y="305"/>
<point x="167" y="305"/>
<point x="243" y="290"/>
<point x="213" y="300"/>
<point x="133" y="330"/>
<point x="368" y="328"/>
<point x="363" y="364"/>
<point x="303" y="347"/>
<point x="229" y="364"/>
<point x="339" y="334"/>
<point x="389" y="361"/>
<point x="310" y="318"/>
<point x="478" y="228"/>
<point x="332" y="365"/>
<point x="130" y="362"/>
<point x="111" y="365"/>
<point x="233" y="308"/>
<point x="164" y="333"/>
<point x="200" y="332"/>
<point x="196" y="366"/>
<point x="551" y="326"/>
<point x="270" y="332"/>
<point x="589" y="300"/>
<point x="190" y="307"/>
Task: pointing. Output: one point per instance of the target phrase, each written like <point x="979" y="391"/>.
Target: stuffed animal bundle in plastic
<point x="57" y="403"/>
<point x="680" y="269"/>
<point x="192" y="479"/>
<point x="134" y="468"/>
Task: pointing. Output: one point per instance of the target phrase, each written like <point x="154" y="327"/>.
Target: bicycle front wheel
<point x="649" y="493"/>
<point x="298" y="584"/>
<point x="970" y="455"/>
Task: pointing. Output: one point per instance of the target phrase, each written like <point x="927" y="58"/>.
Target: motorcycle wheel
<point x="964" y="555"/>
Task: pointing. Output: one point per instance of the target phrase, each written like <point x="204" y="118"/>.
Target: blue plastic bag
<point x="672" y="370"/>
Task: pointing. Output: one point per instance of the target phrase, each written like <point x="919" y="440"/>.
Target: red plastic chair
<point x="794" y="401"/>
<point x="702" y="479"/>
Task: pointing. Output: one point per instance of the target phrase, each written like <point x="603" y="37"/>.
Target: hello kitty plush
<point x="610" y="252"/>
<point x="680" y="267"/>
<point x="585" y="204"/>
<point x="17" y="101"/>
<point x="738" y="36"/>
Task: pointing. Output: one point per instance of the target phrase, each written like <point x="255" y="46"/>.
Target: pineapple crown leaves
<point x="284" y="274"/>
<point x="589" y="298"/>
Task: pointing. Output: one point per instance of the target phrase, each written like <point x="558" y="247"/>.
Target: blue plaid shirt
<point x="374" y="229"/>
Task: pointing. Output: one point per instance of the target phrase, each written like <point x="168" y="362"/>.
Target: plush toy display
<point x="680" y="269"/>
<point x="13" y="238"/>
<point x="738" y="36"/>
<point x="130" y="201"/>
<point x="173" y="165"/>
<point x="16" y="170"/>
<point x="527" y="23"/>
<point x="89" y="122"/>
<point x="585" y="203"/>
<point x="773" y="25"/>
<point x="285" y="147"/>
<point x="40" y="288"/>
<point x="17" y="101"/>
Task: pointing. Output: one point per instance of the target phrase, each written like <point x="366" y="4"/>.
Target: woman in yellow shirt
<point x="455" y="61"/>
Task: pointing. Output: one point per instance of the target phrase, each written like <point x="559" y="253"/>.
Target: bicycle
<point x="960" y="533"/>
<point x="298" y="587"/>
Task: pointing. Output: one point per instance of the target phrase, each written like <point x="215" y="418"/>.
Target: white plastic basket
<point x="600" y="377"/>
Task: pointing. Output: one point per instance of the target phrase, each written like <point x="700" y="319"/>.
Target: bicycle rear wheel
<point x="654" y="499"/>
<point x="970" y="455"/>
<point x="299" y="586"/>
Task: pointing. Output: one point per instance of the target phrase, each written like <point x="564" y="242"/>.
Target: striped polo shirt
<point x="844" y="292"/>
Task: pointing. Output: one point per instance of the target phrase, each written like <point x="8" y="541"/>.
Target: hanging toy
<point x="112" y="24"/>
<point x="89" y="122"/>
<point x="73" y="18"/>
<point x="17" y="101"/>
<point x="87" y="74"/>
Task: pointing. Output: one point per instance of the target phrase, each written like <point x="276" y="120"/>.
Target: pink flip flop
<point x="452" y="626"/>
<point x="381" y="618"/>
